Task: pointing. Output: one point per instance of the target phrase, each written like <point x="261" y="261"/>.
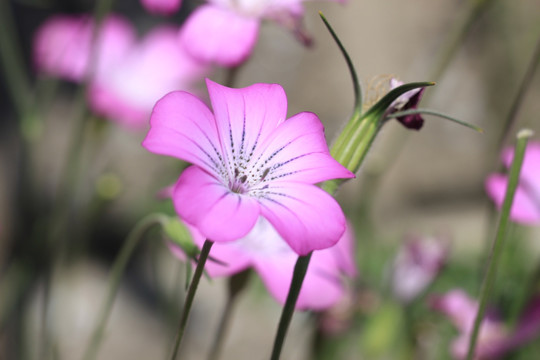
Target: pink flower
<point x="407" y="101"/>
<point x="270" y="256"/>
<point x="162" y="7"/>
<point x="493" y="338"/>
<point x="417" y="264"/>
<point x="461" y="310"/>
<point x="526" y="206"/>
<point x="225" y="31"/>
<point x="249" y="162"/>
<point x="128" y="76"/>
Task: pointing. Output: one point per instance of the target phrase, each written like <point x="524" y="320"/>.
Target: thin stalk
<point x="520" y="96"/>
<point x="456" y="36"/>
<point x="356" y="84"/>
<point x="237" y="283"/>
<point x="498" y="244"/>
<point x="231" y="76"/>
<point x="299" y="273"/>
<point x="133" y="239"/>
<point x="10" y="54"/>
<point x="190" y="296"/>
<point x="14" y="283"/>
<point x="435" y="113"/>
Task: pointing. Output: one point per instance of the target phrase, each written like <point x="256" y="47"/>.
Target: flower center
<point x="238" y="183"/>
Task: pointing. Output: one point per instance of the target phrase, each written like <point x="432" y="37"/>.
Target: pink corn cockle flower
<point x="264" y="250"/>
<point x="407" y="101"/>
<point x="225" y="31"/>
<point x="125" y="77"/>
<point x="162" y="7"/>
<point x="249" y="161"/>
<point x="526" y="206"/>
<point x="494" y="340"/>
<point x="417" y="264"/>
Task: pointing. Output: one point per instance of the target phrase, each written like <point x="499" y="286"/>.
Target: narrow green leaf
<point x="434" y="113"/>
<point x="352" y="70"/>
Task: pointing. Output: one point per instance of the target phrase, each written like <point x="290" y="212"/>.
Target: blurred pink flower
<point x="407" y="101"/>
<point x="249" y="161"/>
<point x="162" y="7"/>
<point x="526" y="206"/>
<point x="225" y="31"/>
<point x="128" y="77"/>
<point x="494" y="340"/>
<point x="264" y="250"/>
<point x="417" y="264"/>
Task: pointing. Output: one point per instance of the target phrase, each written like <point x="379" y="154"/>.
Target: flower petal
<point x="525" y="208"/>
<point x="297" y="151"/>
<point x="530" y="170"/>
<point x="182" y="126"/>
<point x="204" y="202"/>
<point x="305" y="216"/>
<point x="127" y="93"/>
<point x="62" y="45"/>
<point x="246" y="117"/>
<point x="459" y="307"/>
<point x="162" y="7"/>
<point x="219" y="35"/>
<point x="231" y="259"/>
<point x="318" y="291"/>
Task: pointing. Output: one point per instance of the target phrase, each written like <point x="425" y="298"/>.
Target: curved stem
<point x="498" y="243"/>
<point x="300" y="270"/>
<point x="356" y="84"/>
<point x="457" y="35"/>
<point x="190" y="296"/>
<point x="520" y="96"/>
<point x="133" y="239"/>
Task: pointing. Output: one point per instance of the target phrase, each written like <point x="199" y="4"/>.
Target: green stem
<point x="457" y="35"/>
<point x="520" y="96"/>
<point x="356" y="84"/>
<point x="299" y="273"/>
<point x="190" y="296"/>
<point x="15" y="282"/>
<point x="237" y="283"/>
<point x="133" y="239"/>
<point x="231" y="76"/>
<point x="497" y="247"/>
<point x="12" y="61"/>
<point x="434" y="113"/>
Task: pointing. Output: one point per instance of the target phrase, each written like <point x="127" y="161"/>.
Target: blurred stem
<point x="299" y="273"/>
<point x="132" y="240"/>
<point x="12" y="61"/>
<point x="230" y="77"/>
<point x="457" y="35"/>
<point x="14" y="283"/>
<point x="237" y="284"/>
<point x="497" y="248"/>
<point x="203" y="256"/>
<point x="520" y="96"/>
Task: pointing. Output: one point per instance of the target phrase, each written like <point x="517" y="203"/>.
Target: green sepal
<point x="179" y="235"/>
